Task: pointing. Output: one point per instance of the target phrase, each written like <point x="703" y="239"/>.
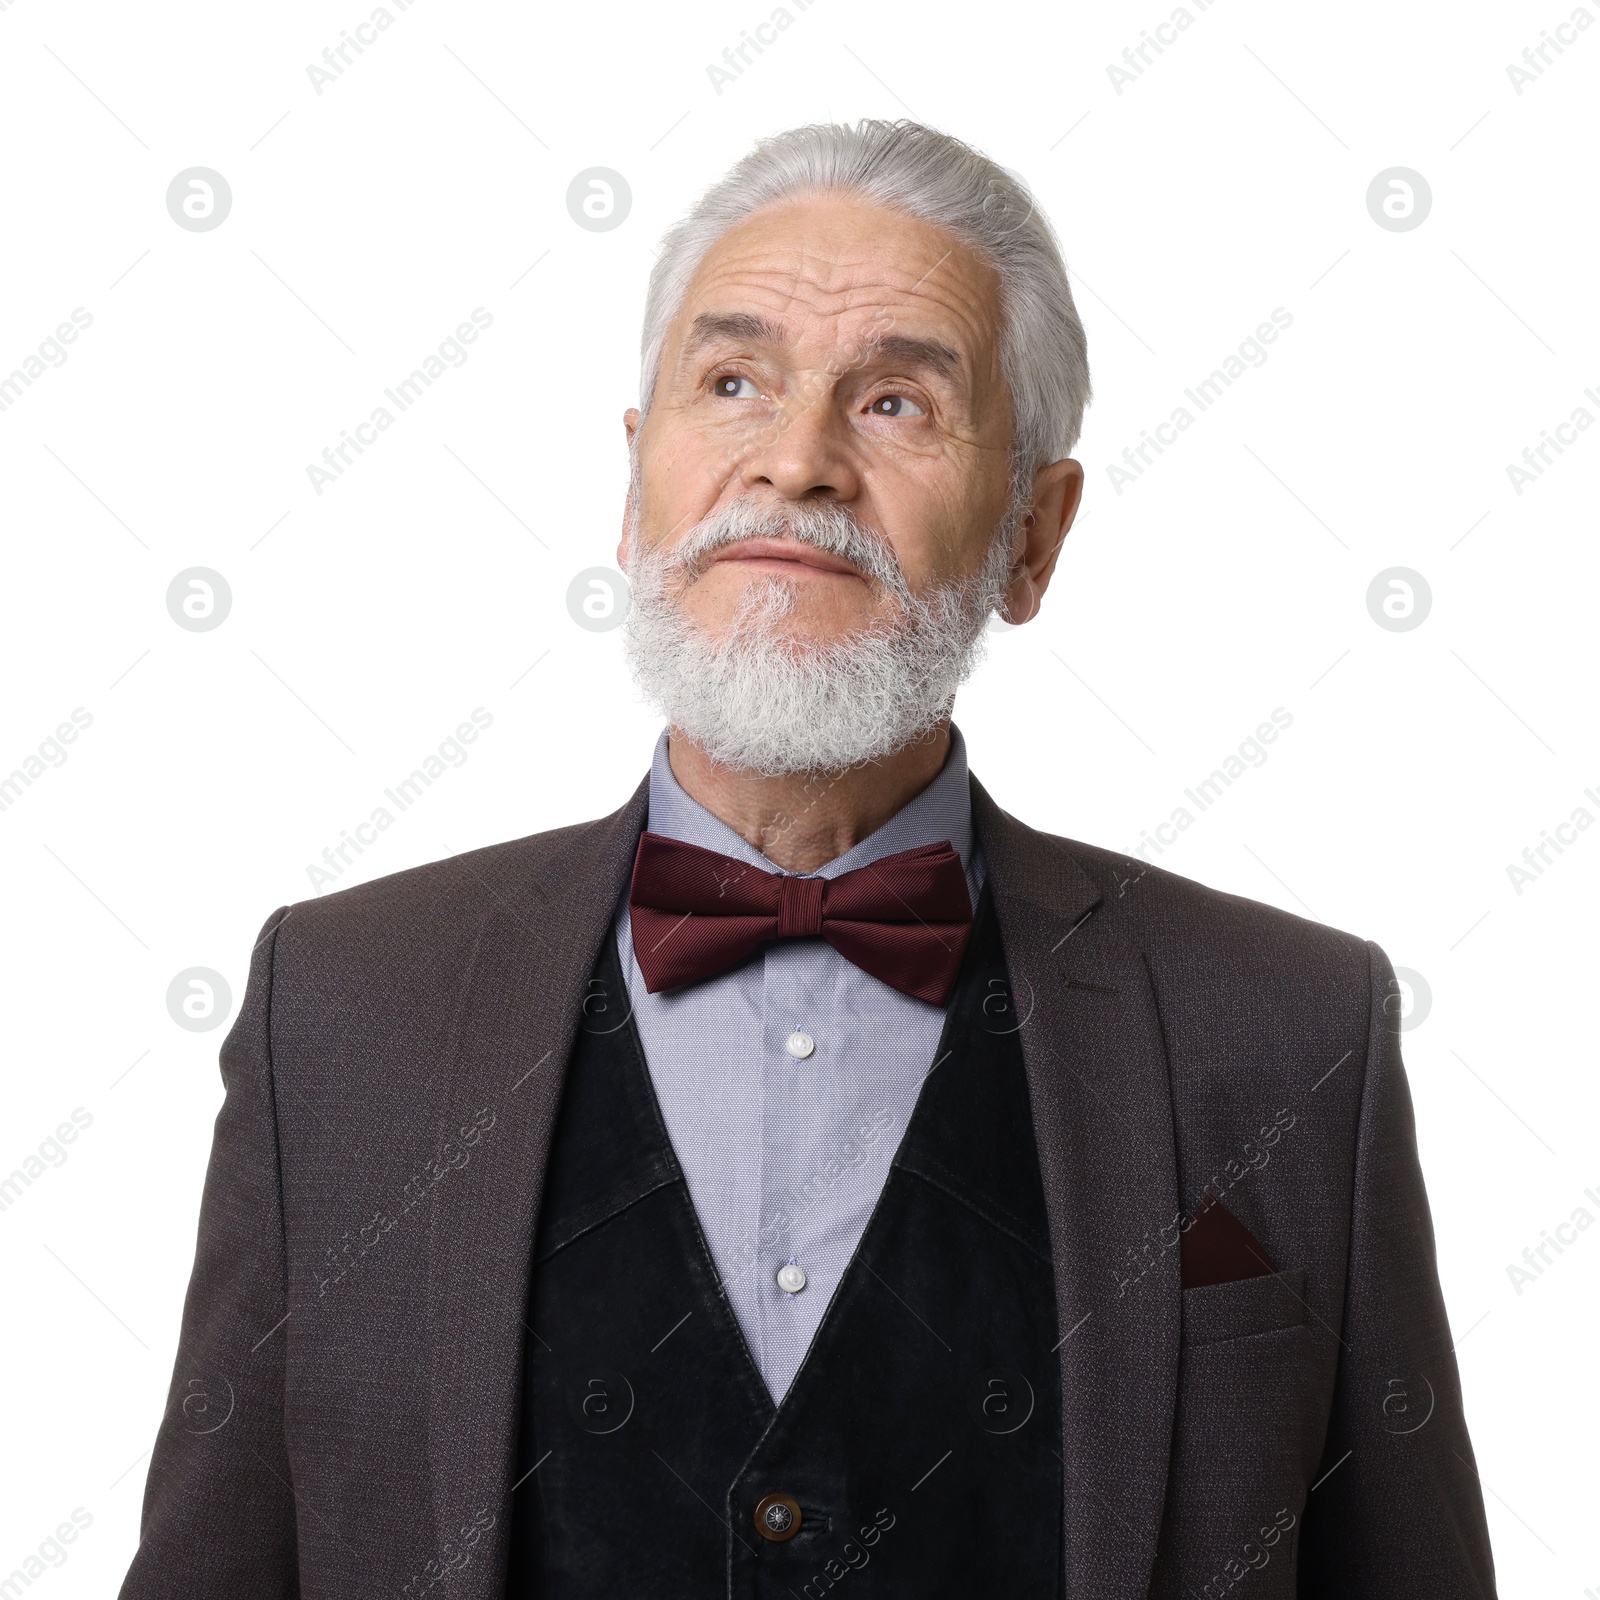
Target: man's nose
<point x="805" y="451"/>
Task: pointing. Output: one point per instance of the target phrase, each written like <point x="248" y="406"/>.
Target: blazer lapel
<point x="538" y="939"/>
<point x="1097" y="1074"/>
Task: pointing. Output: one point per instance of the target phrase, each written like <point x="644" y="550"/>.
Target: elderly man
<point x="809" y="1175"/>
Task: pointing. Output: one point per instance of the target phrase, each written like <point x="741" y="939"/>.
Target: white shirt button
<point x="800" y="1045"/>
<point x="791" y="1279"/>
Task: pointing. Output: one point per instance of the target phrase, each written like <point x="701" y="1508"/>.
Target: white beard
<point x="754" y="699"/>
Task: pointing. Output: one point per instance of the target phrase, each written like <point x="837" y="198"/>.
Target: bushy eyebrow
<point x="714" y="327"/>
<point x="900" y="349"/>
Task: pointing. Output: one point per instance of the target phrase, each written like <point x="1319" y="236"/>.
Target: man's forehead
<point x="839" y="267"/>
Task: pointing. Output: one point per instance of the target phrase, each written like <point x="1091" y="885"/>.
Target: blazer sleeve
<point x="1397" y="1510"/>
<point x="219" y="1510"/>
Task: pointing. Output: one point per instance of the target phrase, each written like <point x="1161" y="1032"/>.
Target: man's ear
<point x="630" y="427"/>
<point x="1057" y="494"/>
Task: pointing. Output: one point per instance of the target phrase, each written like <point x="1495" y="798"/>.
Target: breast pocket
<point x="1219" y="1311"/>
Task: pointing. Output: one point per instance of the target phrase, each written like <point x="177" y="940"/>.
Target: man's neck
<point x="802" y="822"/>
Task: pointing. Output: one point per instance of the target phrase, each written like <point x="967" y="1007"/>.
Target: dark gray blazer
<point x="342" y="1417"/>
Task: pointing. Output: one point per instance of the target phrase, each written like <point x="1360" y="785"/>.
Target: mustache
<point x="825" y="525"/>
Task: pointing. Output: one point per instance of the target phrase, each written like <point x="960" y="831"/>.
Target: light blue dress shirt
<point x="786" y="1084"/>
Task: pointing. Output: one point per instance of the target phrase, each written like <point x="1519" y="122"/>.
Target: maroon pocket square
<point x="1218" y="1248"/>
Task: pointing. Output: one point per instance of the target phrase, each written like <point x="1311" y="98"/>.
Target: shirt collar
<point x="941" y="811"/>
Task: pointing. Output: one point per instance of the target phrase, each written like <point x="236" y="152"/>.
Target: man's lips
<point x="786" y="552"/>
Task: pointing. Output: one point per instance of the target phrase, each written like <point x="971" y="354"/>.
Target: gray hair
<point x="937" y="178"/>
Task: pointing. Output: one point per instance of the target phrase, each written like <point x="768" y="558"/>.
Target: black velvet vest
<point x="918" y="1450"/>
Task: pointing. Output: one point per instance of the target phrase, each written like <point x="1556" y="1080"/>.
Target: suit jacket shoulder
<point x="1210" y="954"/>
<point x="398" y="946"/>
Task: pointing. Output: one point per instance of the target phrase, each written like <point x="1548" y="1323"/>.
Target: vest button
<point x="778" y="1517"/>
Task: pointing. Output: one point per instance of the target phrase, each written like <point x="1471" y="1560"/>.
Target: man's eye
<point x="895" y="405"/>
<point x="731" y="386"/>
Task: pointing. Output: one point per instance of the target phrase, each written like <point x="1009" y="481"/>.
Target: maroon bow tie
<point x="904" y="919"/>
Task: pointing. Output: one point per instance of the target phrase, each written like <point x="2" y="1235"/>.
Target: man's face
<point x="829" y="350"/>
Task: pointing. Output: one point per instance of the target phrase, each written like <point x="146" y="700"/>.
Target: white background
<point x="1228" y="179"/>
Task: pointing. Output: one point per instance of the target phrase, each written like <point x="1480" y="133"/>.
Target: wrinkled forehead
<point x="832" y="275"/>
